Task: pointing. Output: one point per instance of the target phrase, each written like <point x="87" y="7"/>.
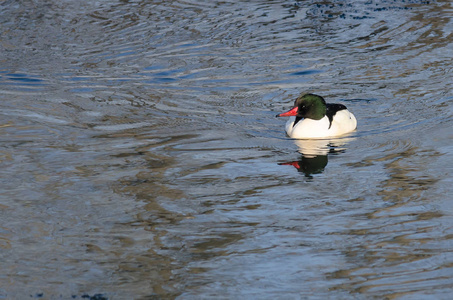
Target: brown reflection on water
<point x="153" y="264"/>
<point x="164" y="263"/>
<point x="396" y="244"/>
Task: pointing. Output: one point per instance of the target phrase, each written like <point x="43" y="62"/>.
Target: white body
<point x="343" y="122"/>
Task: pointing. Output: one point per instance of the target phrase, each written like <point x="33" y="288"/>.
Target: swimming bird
<point x="313" y="118"/>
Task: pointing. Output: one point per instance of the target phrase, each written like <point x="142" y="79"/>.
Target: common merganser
<point x="313" y="118"/>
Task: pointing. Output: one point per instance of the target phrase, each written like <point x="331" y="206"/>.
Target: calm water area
<point x="140" y="156"/>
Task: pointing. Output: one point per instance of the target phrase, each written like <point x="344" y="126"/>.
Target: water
<point x="141" y="159"/>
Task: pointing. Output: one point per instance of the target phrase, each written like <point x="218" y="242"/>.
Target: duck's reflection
<point x="314" y="154"/>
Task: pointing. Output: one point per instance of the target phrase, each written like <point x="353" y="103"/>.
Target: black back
<point x="332" y="109"/>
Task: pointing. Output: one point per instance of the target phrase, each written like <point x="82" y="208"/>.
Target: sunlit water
<point x="141" y="159"/>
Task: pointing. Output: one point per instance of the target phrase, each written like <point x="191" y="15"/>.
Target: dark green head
<point x="310" y="106"/>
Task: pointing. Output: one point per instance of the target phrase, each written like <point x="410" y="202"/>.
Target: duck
<point x="312" y="118"/>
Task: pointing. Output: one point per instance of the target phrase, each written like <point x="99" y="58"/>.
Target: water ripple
<point x="139" y="145"/>
<point x="21" y="82"/>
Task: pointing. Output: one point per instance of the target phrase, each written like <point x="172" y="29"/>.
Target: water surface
<point x="141" y="159"/>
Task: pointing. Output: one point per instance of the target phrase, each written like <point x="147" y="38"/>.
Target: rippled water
<point x="141" y="159"/>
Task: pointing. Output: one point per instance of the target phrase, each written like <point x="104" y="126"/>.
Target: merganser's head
<point x="309" y="106"/>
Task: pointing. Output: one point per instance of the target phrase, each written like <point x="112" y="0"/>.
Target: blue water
<point x="141" y="157"/>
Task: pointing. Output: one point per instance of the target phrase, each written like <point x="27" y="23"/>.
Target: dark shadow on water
<point x="315" y="153"/>
<point x="309" y="165"/>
